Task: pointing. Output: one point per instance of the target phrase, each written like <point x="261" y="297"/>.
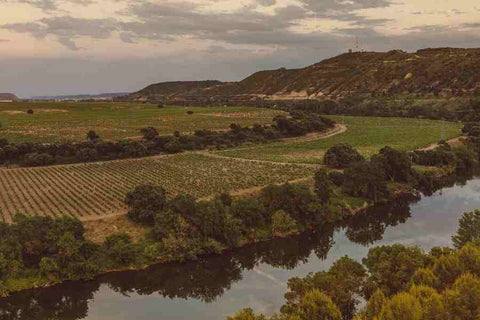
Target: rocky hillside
<point x="8" y="96"/>
<point x="439" y="72"/>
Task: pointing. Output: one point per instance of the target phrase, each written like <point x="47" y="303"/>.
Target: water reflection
<point x="208" y="279"/>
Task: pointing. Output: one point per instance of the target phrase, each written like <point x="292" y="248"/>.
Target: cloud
<point x="49" y="5"/>
<point x="66" y="29"/>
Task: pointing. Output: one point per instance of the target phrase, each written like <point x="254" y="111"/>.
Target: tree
<point x="92" y="136"/>
<point x="425" y="277"/>
<point x="375" y="305"/>
<point x="283" y="224"/>
<point x="144" y="202"/>
<point x="468" y="229"/>
<point x="391" y="267"/>
<point x="402" y="306"/>
<point x="343" y="283"/>
<point x="315" y="305"/>
<point x="247" y="314"/>
<point x="341" y="156"/>
<point x="323" y="186"/>
<point x="463" y="300"/>
<point x="397" y="164"/>
<point x="149" y="133"/>
<point x="365" y="179"/>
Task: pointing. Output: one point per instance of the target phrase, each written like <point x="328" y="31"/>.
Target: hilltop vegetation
<point x="442" y="72"/>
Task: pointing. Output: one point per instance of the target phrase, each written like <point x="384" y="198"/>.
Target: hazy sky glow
<point x="93" y="46"/>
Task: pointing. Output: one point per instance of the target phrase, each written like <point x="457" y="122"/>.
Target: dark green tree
<point x="468" y="229"/>
<point x="144" y="202"/>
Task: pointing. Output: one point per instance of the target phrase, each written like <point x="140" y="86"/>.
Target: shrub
<point x="149" y="133"/>
<point x="29" y="111"/>
<point x="341" y="156"/>
<point x="336" y="177"/>
<point x="283" y="224"/>
<point x="189" y="112"/>
<point x="92" y="136"/>
<point x="37" y="159"/>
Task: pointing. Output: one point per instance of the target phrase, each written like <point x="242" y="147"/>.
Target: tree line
<point x="94" y="149"/>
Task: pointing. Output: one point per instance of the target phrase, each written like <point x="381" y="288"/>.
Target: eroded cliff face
<point x="439" y="72"/>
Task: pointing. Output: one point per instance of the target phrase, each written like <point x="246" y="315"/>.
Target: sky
<point x="52" y="47"/>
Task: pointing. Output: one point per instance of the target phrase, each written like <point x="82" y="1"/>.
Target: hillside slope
<point x="8" y="96"/>
<point x="441" y="71"/>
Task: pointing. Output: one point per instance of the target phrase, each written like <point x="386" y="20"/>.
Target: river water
<point x="255" y="277"/>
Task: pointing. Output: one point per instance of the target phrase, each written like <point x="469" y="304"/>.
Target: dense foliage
<point x="398" y="282"/>
<point x="94" y="149"/>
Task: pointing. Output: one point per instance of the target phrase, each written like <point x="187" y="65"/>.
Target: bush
<point x="149" y="133"/>
<point x="29" y="111"/>
<point x="92" y="136"/>
<point x="37" y="159"/>
<point x="341" y="156"/>
<point x="283" y="224"/>
<point x="144" y="202"/>
<point x="120" y="249"/>
<point x="189" y="112"/>
<point x="86" y="154"/>
<point x="336" y="177"/>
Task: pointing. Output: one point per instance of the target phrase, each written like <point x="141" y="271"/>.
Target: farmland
<point x="95" y="189"/>
<point x="52" y="122"/>
<point x="367" y="134"/>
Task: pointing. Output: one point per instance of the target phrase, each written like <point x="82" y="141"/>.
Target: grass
<point x="98" y="189"/>
<point x="58" y="121"/>
<point x="367" y="134"/>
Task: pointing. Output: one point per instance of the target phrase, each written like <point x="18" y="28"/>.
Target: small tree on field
<point x="92" y="136"/>
<point x="144" y="202"/>
<point x="341" y="156"/>
<point x="149" y="133"/>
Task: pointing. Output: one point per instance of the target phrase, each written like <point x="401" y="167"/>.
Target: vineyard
<point x="95" y="189"/>
<point x="57" y="121"/>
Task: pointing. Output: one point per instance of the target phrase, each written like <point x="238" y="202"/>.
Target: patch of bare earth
<point x="98" y="230"/>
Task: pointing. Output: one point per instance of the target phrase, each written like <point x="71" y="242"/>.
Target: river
<point x="255" y="277"/>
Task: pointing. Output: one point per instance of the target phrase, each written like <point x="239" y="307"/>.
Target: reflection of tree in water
<point x="205" y="279"/>
<point x="369" y="227"/>
<point x="66" y="302"/>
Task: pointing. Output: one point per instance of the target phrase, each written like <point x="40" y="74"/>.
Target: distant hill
<point x="165" y="89"/>
<point x="8" y="96"/>
<point x="440" y="71"/>
<point x="82" y="96"/>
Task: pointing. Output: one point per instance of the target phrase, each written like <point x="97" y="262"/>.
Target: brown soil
<point x="98" y="230"/>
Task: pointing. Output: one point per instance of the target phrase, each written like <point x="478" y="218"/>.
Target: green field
<point x="58" y="121"/>
<point x="367" y="134"/>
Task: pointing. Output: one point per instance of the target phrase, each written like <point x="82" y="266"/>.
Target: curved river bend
<point x="255" y="277"/>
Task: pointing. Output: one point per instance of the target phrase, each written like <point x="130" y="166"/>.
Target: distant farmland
<point x="57" y="121"/>
<point x="95" y="189"/>
<point x="367" y="134"/>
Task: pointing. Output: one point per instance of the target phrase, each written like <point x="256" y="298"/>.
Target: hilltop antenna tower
<point x="357" y="44"/>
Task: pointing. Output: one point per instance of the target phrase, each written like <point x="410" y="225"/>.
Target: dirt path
<point x="433" y="146"/>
